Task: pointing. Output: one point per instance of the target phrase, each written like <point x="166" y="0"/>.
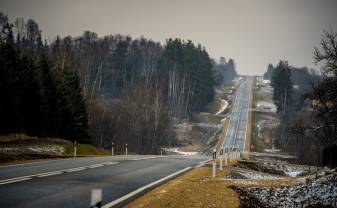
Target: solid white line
<point x="205" y="161"/>
<point x="198" y="166"/>
<point x="146" y="158"/>
<point x="131" y="194"/>
<point x="13" y="181"/>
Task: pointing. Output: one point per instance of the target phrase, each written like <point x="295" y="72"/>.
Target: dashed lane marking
<point x="41" y="175"/>
<point x="15" y="180"/>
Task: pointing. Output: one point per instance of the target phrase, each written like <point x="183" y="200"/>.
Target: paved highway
<point x="68" y="182"/>
<point x="236" y="131"/>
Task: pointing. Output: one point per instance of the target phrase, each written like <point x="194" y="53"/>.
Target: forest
<point x="101" y="90"/>
<point x="306" y="104"/>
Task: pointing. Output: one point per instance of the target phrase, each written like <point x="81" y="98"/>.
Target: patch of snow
<point x="294" y="173"/>
<point x="258" y="176"/>
<point x="318" y="193"/>
<point x="41" y="149"/>
<point x="224" y="105"/>
<point x="50" y="149"/>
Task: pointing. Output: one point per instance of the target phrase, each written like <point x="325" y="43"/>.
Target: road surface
<point x="68" y="182"/>
<point x="237" y="128"/>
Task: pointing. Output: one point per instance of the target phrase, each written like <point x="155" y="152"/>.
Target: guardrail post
<point x="214" y="163"/>
<point x="221" y="158"/>
<point x="226" y="156"/>
<point x="112" y="148"/>
<point x="96" y="198"/>
<point x="75" y="149"/>
<point x="230" y="154"/>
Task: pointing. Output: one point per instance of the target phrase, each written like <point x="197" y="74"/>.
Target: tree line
<point x="37" y="98"/>
<point x="308" y="117"/>
<point x="225" y="71"/>
<point x="100" y="89"/>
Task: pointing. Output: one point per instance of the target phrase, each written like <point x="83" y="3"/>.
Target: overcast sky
<point x="253" y="32"/>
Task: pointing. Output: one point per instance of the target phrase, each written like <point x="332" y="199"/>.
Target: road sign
<point x="214" y="155"/>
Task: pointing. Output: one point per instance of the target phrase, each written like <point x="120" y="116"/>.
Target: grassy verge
<point x="214" y="106"/>
<point x="20" y="148"/>
<point x="195" y="188"/>
<point x="257" y="97"/>
<point x="256" y="140"/>
<point x="205" y="118"/>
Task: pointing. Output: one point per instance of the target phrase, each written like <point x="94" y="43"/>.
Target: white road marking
<point x="74" y="169"/>
<point x="205" y="161"/>
<point x="39" y="175"/>
<point x="49" y="174"/>
<point x="13" y="181"/>
<point x="146" y="158"/>
<point x="95" y="166"/>
<point x="198" y="166"/>
<point x="133" y="193"/>
<point x="110" y="163"/>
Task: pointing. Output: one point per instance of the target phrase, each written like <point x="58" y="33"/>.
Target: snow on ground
<point x="224" y="105"/>
<point x="54" y="149"/>
<point x="317" y="193"/>
<point x="276" y="167"/>
<point x="41" y="149"/>
<point x="256" y="175"/>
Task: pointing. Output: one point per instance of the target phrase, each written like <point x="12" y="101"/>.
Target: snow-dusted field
<point x="276" y="167"/>
<point x="307" y="188"/>
<point x="317" y="193"/>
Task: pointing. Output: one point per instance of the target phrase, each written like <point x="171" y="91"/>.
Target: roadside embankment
<point x="19" y="148"/>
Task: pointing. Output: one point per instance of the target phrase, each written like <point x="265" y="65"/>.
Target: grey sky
<point x="253" y="32"/>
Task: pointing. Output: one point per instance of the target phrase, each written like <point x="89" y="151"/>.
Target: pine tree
<point x="281" y="82"/>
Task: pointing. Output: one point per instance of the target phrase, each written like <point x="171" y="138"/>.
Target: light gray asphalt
<point x="116" y="176"/>
<point x="236" y="132"/>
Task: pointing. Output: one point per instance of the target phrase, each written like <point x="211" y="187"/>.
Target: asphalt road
<point x="236" y="132"/>
<point x="68" y="182"/>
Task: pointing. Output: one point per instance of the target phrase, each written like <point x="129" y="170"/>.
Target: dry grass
<point x="222" y="136"/>
<point x="193" y="189"/>
<point x="23" y="143"/>
<point x="197" y="188"/>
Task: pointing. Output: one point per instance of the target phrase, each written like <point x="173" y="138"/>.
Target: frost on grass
<point x="253" y="175"/>
<point x="321" y="192"/>
<point x="276" y="167"/>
